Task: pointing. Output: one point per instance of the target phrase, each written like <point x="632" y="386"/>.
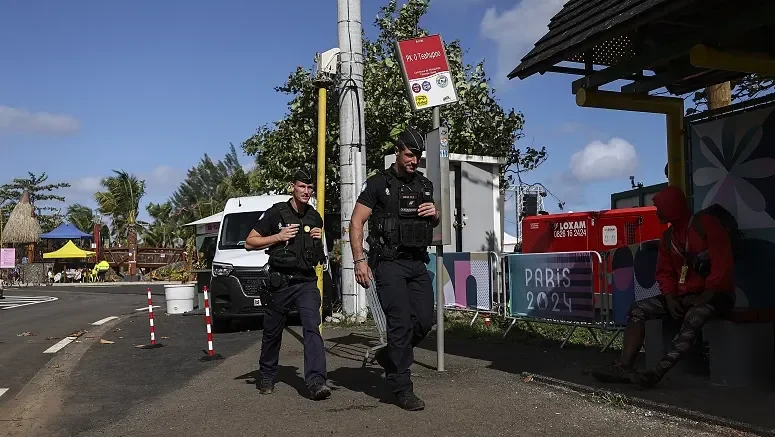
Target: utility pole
<point x="352" y="129"/>
<point x="719" y="95"/>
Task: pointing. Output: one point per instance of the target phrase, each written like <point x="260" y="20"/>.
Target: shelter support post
<point x="671" y="107"/>
<point x="321" y="182"/>
<point x="702" y="56"/>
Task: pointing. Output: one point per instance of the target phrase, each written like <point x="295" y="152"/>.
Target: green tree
<point x="81" y="216"/>
<point x="207" y="187"/>
<point x="120" y="200"/>
<point x="42" y="196"/>
<point x="162" y="231"/>
<point x="745" y="88"/>
<point x="477" y="123"/>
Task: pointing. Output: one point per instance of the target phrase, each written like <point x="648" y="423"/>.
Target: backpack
<point x="728" y="222"/>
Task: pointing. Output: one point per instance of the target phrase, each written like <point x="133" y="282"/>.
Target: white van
<point x="238" y="274"/>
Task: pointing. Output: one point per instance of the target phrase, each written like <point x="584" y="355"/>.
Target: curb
<point x="669" y="410"/>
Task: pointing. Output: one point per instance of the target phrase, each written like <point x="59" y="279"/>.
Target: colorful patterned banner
<point x="556" y="286"/>
<point x="632" y="276"/>
<point x="467" y="280"/>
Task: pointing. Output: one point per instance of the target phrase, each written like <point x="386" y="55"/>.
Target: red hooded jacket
<point x="671" y="203"/>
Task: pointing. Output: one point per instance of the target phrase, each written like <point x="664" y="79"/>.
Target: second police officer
<point x="292" y="233"/>
<point x="398" y="204"/>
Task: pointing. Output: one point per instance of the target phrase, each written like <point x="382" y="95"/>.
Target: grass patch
<point x="606" y="397"/>
<point x="458" y="324"/>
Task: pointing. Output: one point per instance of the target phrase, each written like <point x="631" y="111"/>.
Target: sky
<point x="150" y="87"/>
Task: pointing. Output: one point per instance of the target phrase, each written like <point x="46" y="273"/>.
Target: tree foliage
<point x="81" y="216"/>
<point x="477" y="123"/>
<point x="207" y="187"/>
<point x="745" y="88"/>
<point x="42" y="196"/>
<point x="120" y="200"/>
<point x="162" y="231"/>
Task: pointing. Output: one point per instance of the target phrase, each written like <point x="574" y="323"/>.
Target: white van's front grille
<point x="252" y="281"/>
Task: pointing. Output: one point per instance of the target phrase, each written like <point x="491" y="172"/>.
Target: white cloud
<point x="600" y="160"/>
<point x="516" y="30"/>
<point x="22" y="120"/>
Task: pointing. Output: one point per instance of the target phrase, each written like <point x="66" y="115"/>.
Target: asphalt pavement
<point x="37" y="324"/>
<point x="118" y="389"/>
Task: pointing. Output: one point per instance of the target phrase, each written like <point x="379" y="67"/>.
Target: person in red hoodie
<point x="686" y="294"/>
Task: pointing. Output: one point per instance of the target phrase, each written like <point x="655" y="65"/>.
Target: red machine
<point x="598" y="231"/>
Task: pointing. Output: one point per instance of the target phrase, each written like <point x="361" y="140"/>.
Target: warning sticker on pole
<point x="426" y="72"/>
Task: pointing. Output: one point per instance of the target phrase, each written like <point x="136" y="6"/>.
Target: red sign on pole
<point x="426" y="72"/>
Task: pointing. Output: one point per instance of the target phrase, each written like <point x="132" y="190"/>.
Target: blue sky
<point x="149" y="87"/>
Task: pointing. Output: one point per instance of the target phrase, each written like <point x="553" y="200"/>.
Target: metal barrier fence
<point x="372" y="299"/>
<point x="470" y="281"/>
<point x="564" y="288"/>
<point x="577" y="289"/>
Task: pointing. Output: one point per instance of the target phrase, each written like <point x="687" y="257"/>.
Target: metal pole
<point x="439" y="278"/>
<point x="321" y="183"/>
<point x="351" y="132"/>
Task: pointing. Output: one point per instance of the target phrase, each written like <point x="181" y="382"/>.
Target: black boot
<point x="319" y="391"/>
<point x="381" y="357"/>
<point x="266" y="386"/>
<point x="409" y="401"/>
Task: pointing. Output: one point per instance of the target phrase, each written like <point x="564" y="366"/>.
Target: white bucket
<point x="180" y="298"/>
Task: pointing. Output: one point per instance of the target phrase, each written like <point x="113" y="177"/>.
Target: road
<point x="37" y="324"/>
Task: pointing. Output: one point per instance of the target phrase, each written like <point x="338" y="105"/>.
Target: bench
<point x="742" y="348"/>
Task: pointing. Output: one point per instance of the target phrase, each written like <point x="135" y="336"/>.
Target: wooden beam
<point x="567" y="70"/>
<point x="651" y="83"/>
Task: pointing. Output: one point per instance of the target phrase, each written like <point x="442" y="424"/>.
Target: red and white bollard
<point x="150" y="322"/>
<point x="211" y="355"/>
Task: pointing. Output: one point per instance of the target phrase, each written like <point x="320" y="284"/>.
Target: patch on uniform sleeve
<point x="364" y="185"/>
<point x="262" y="216"/>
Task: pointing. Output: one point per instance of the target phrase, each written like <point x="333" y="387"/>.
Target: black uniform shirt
<point x="375" y="194"/>
<point x="271" y="222"/>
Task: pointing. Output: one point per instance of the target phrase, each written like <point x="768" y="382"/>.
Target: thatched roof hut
<point x="22" y="226"/>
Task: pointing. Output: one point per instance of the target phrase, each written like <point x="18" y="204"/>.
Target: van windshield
<point x="236" y="228"/>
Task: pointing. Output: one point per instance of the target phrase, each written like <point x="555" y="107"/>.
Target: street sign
<point x="7" y="258"/>
<point x="426" y="72"/>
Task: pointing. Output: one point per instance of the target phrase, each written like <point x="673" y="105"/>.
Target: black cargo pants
<point x="306" y="296"/>
<point x="406" y="296"/>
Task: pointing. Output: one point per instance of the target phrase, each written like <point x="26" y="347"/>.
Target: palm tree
<point x="121" y="201"/>
<point x="162" y="232"/>
<point x="81" y="216"/>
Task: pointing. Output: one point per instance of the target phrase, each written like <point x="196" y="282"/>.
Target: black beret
<point x="412" y="139"/>
<point x="302" y="175"/>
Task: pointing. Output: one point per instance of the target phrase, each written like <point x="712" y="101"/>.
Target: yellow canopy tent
<point x="70" y="251"/>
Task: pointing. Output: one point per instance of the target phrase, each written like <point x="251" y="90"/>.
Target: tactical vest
<point x="300" y="254"/>
<point x="398" y="226"/>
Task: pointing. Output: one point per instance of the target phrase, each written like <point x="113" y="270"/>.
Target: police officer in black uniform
<point x="292" y="232"/>
<point x="398" y="204"/>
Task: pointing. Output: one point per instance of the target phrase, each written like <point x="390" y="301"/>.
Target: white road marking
<point x="11" y="302"/>
<point x="3" y="391"/>
<point x="61" y="344"/>
<point x="146" y="308"/>
<point x="106" y="319"/>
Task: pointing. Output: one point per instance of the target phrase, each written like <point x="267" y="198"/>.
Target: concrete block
<point x="741" y="354"/>
<point x="659" y="335"/>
